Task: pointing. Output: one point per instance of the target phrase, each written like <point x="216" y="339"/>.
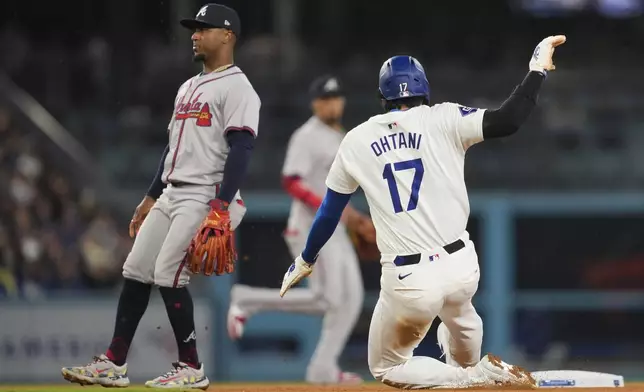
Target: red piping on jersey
<point x="178" y="274"/>
<point x="244" y="128"/>
<point x="174" y="156"/>
<point x="294" y="187"/>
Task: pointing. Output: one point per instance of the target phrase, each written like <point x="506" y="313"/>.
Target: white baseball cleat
<point x="181" y="377"/>
<point x="101" y="371"/>
<point x="500" y="373"/>
<point x="235" y="323"/>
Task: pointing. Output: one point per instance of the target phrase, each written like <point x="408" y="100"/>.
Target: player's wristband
<point x="313" y="259"/>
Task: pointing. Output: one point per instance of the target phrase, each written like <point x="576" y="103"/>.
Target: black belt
<point x="415" y="259"/>
<point x="179" y="184"/>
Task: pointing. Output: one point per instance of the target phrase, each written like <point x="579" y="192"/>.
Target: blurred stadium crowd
<point x="114" y="90"/>
<point x="53" y="236"/>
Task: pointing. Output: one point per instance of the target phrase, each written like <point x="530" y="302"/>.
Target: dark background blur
<point x="108" y="72"/>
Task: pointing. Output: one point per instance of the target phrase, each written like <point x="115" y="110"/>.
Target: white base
<point x="577" y="379"/>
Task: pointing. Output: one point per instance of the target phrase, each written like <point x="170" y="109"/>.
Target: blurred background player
<point x="337" y="291"/>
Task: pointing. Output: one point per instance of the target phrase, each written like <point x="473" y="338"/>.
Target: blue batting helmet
<point x="403" y="77"/>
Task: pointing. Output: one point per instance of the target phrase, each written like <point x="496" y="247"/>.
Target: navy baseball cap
<point x="326" y="86"/>
<point x="214" y="16"/>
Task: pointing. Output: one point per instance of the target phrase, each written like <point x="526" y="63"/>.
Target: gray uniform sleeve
<point x="299" y="157"/>
<point x="241" y="110"/>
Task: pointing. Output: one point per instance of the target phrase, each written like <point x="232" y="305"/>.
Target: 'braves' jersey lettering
<point x="195" y="109"/>
<point x="207" y="106"/>
<point x="396" y="141"/>
<point x="410" y="165"/>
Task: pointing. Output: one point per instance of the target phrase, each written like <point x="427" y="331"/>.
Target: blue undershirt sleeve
<point x="325" y="222"/>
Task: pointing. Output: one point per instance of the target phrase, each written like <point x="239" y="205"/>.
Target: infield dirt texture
<point x="274" y="387"/>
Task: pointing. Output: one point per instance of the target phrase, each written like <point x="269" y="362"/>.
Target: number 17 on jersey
<point x="388" y="174"/>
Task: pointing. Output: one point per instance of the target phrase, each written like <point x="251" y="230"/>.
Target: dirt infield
<point x="639" y="387"/>
<point x="275" y="387"/>
<point x="632" y="387"/>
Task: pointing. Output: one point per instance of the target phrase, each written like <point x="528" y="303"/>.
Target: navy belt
<point x="415" y="259"/>
<point x="179" y="184"/>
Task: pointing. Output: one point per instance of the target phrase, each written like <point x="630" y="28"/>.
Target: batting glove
<point x="299" y="270"/>
<point x="542" y="56"/>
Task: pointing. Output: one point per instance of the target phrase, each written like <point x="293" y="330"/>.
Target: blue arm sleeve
<point x="324" y="224"/>
<point x="156" y="188"/>
<point x="241" y="146"/>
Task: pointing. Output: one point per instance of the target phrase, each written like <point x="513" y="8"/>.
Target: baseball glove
<point x="212" y="249"/>
<point x="366" y="251"/>
<point x="363" y="238"/>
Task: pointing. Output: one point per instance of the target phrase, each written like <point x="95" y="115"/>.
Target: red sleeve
<point x="297" y="190"/>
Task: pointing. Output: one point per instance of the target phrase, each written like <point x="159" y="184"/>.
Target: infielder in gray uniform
<point x="337" y="293"/>
<point x="211" y="136"/>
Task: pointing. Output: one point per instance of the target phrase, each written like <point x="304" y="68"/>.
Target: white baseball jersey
<point x="309" y="155"/>
<point x="206" y="107"/>
<point x="410" y="165"/>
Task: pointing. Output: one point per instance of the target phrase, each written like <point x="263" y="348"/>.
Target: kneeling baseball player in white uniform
<point x="409" y="161"/>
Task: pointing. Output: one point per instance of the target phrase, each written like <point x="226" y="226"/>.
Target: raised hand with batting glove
<point x="542" y="56"/>
<point x="212" y="249"/>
